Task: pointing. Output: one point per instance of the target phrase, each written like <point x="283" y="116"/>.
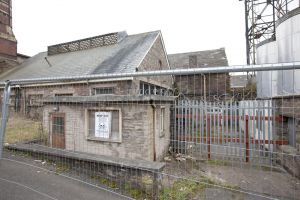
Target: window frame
<point x="162" y="119"/>
<point x="63" y="94"/>
<point x="87" y="120"/>
<point x="94" y="89"/>
<point x="58" y="115"/>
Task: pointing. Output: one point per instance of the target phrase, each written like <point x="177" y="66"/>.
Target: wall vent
<point x="83" y="44"/>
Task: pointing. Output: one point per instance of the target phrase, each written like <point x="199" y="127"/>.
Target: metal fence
<point x="173" y="134"/>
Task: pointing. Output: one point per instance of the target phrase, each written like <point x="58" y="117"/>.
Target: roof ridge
<point x="191" y="52"/>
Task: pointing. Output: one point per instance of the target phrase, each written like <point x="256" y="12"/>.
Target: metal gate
<point x="232" y="130"/>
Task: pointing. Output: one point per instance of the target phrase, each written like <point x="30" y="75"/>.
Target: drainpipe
<point x="5" y="103"/>
<point x="204" y="86"/>
<point x="154" y="127"/>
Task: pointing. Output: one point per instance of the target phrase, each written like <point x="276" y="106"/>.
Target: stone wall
<point x="78" y="89"/>
<point x="156" y="59"/>
<point x="288" y="108"/>
<point x="137" y="131"/>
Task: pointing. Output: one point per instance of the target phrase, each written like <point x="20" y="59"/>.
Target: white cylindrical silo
<point x="267" y="53"/>
<point x="288" y="41"/>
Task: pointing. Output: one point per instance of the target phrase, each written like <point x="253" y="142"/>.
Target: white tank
<point x="267" y="53"/>
<point x="286" y="48"/>
<point x="288" y="42"/>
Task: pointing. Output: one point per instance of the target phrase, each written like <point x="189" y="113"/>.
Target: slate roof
<point x="125" y="56"/>
<point x="210" y="58"/>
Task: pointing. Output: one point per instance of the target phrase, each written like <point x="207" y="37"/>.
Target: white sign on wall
<point x="102" y="124"/>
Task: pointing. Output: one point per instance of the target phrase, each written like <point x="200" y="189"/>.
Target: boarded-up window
<point x="35" y="99"/>
<point x="104" y="125"/>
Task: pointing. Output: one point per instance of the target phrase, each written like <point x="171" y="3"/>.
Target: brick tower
<point x="8" y="42"/>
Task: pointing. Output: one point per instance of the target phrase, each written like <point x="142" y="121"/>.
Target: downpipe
<point x="4" y="117"/>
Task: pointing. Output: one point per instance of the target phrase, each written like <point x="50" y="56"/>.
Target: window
<point x="103" y="90"/>
<point x="104" y="124"/>
<point x="160" y="64"/>
<point x="64" y="95"/>
<point x="150" y="89"/>
<point x="162" y="121"/>
<point x="58" y="124"/>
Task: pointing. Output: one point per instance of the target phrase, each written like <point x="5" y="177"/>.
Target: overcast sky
<point x="186" y="25"/>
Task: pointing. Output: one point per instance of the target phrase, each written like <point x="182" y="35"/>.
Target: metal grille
<point x="88" y="43"/>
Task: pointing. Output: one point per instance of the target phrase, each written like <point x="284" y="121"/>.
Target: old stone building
<point x="135" y="109"/>
<point x="210" y="86"/>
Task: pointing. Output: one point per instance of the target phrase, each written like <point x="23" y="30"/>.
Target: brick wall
<point x="193" y="85"/>
<point x="8" y="48"/>
<point x="8" y="43"/>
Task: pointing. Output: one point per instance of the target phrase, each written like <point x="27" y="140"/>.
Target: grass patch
<point x="181" y="189"/>
<point x="20" y="129"/>
<point x="61" y="168"/>
<point x="106" y="182"/>
<point x="188" y="189"/>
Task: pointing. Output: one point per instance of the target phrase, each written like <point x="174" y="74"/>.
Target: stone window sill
<point x="97" y="139"/>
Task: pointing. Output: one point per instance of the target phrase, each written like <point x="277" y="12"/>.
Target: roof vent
<point x="88" y="43"/>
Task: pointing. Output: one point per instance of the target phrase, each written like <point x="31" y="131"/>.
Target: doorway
<point x="58" y="130"/>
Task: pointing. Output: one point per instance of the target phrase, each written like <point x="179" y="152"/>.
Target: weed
<point x="21" y="130"/>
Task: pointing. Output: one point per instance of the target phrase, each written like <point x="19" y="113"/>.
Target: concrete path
<point x="21" y="182"/>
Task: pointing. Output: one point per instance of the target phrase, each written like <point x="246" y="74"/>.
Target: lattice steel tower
<point x="260" y="18"/>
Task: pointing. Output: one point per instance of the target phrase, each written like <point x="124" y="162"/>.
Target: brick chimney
<point x="8" y="42"/>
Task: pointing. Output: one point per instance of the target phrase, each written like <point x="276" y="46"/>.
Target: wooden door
<point x="58" y="130"/>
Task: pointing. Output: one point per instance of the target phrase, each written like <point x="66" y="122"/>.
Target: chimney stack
<point x="8" y="42"/>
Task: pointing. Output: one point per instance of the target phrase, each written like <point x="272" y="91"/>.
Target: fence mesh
<point x="159" y="137"/>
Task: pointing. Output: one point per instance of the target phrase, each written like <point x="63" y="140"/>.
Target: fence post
<point x="247" y="139"/>
<point x="5" y="103"/>
<point x="208" y="138"/>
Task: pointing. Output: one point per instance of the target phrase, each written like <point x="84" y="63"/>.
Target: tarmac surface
<point x="19" y="181"/>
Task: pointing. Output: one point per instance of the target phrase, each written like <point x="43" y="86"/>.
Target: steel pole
<point x="5" y="103"/>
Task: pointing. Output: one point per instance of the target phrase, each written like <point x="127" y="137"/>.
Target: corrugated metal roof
<point x="125" y="56"/>
<point x="210" y="58"/>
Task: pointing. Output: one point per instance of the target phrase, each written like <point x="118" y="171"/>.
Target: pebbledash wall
<point x="141" y="130"/>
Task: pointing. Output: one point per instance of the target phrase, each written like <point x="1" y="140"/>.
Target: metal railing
<point x="143" y="144"/>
